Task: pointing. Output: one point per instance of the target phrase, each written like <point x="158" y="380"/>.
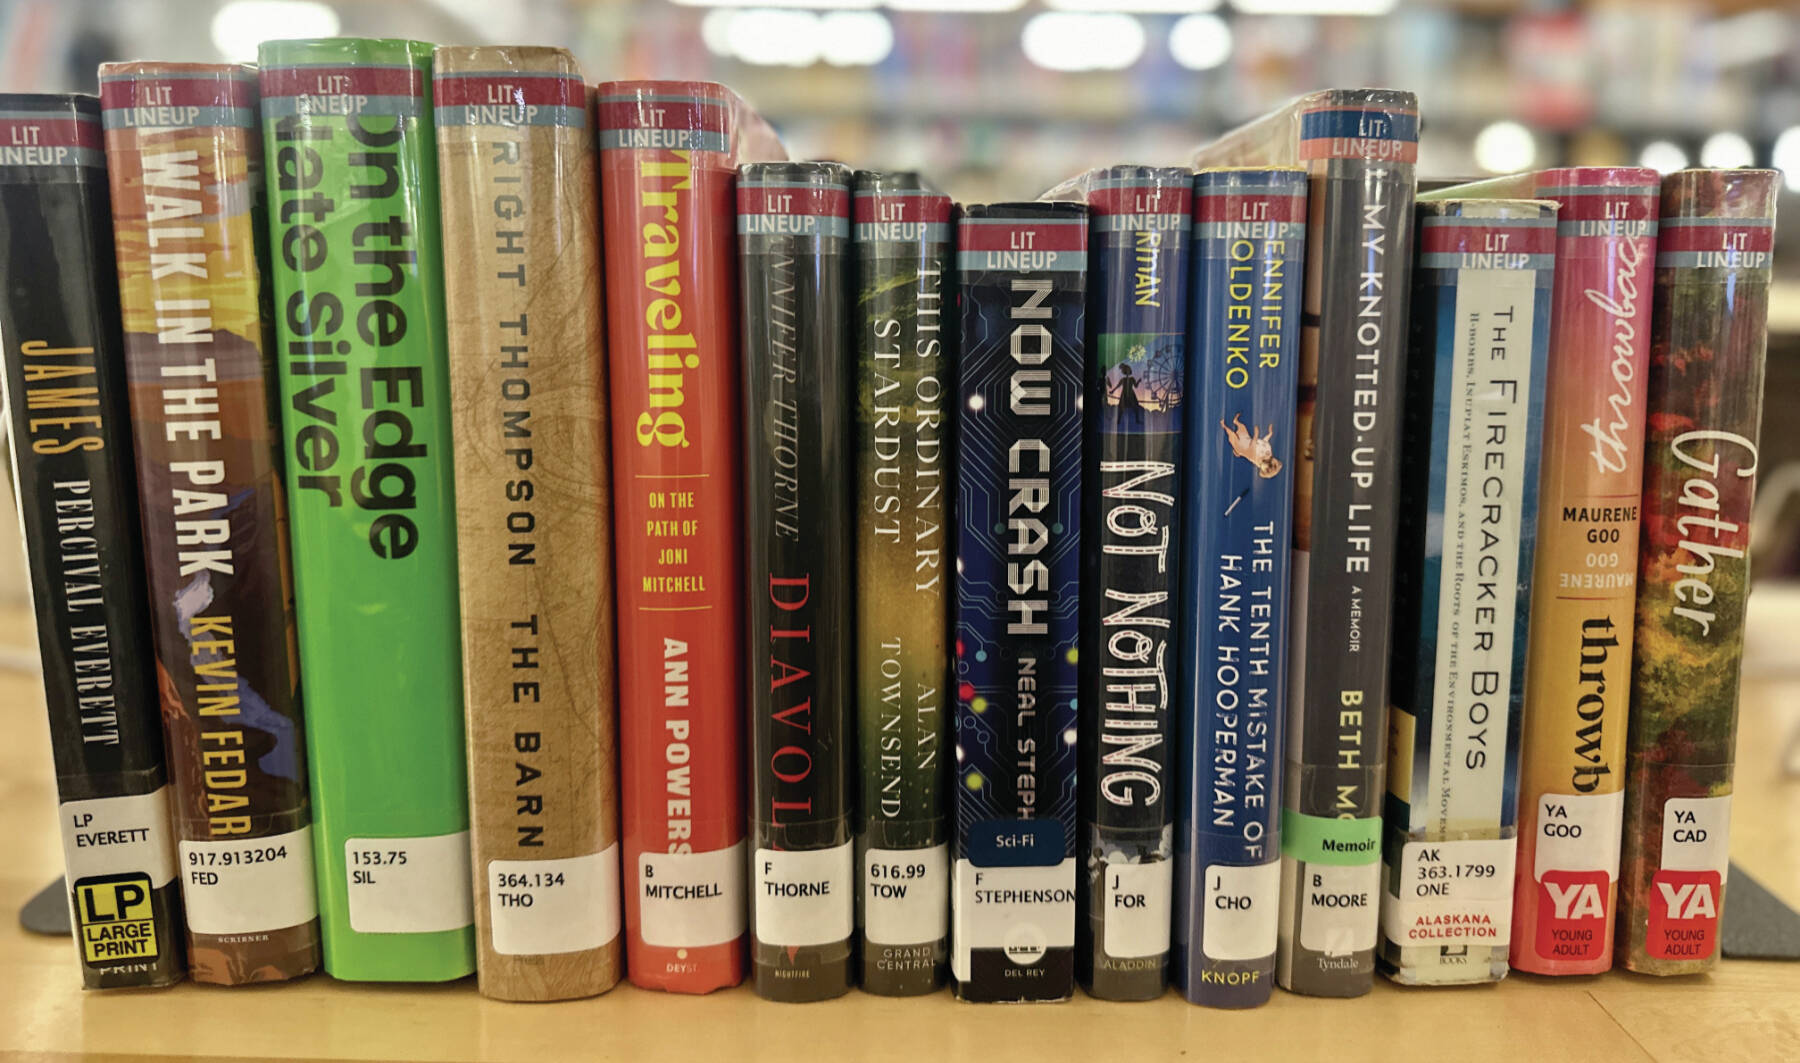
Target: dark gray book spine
<point x="1360" y="146"/>
<point x="68" y="413"/>
<point x="794" y="255"/>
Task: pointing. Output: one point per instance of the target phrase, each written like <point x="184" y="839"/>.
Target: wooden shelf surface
<point x="1748" y="1010"/>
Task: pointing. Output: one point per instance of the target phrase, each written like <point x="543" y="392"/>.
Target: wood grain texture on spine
<point x="528" y="390"/>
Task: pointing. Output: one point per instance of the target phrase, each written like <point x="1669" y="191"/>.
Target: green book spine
<point x="358" y="272"/>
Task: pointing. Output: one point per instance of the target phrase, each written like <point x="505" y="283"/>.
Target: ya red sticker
<point x="1573" y="915"/>
<point x="1684" y="915"/>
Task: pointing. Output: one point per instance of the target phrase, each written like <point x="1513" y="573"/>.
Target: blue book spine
<point x="1023" y="269"/>
<point x="1462" y="589"/>
<point x="1137" y="340"/>
<point x="1249" y="235"/>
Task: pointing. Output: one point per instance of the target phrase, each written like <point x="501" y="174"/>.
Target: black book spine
<point x="1022" y="269"/>
<point x="907" y="328"/>
<point x="794" y="254"/>
<point x="68" y="411"/>
<point x="1131" y="462"/>
<point x="1360" y="146"/>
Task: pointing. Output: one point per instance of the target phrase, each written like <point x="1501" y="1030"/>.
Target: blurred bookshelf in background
<point x="1002" y="98"/>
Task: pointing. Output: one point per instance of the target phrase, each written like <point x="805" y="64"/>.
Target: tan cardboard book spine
<point x="528" y="396"/>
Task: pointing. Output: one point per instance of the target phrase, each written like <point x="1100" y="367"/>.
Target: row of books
<point x="1182" y="503"/>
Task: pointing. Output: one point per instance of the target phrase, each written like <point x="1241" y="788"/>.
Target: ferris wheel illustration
<point x="1158" y="372"/>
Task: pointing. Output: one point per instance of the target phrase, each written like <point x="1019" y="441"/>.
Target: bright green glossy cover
<point x="357" y="265"/>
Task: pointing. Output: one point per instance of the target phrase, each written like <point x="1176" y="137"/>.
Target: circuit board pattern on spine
<point x="1023" y="271"/>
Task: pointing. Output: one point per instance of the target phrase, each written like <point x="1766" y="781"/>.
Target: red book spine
<point x="668" y="158"/>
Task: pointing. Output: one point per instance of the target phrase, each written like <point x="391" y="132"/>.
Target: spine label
<point x="689" y="900"/>
<point x="1451" y="893"/>
<point x="1022" y="911"/>
<point x="546" y="907"/>
<point x="804" y="897"/>
<point x="1337" y="895"/>
<point x="1136" y="899"/>
<point x="248" y="885"/>
<point x="409" y="885"/>
<point x="906" y="895"/>
<point x="1687" y="891"/>
<point x="106" y="836"/>
<point x="1574" y="870"/>
<point x="1239" y="922"/>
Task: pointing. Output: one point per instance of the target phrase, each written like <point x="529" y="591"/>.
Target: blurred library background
<point x="1002" y="98"/>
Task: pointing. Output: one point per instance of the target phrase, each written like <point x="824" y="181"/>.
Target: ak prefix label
<point x="669" y="152"/>
<point x="1704" y="399"/>
<point x="1462" y="595"/>
<point x="793" y="226"/>
<point x="68" y="414"/>
<point x="1584" y="584"/>
<point x="1359" y="146"/>
<point x="534" y="518"/>
<point x="1132" y="469"/>
<point x="185" y="160"/>
<point x="1023" y="271"/>
<point x="365" y="413"/>
<point x="1249" y="232"/>
<point x="906" y="329"/>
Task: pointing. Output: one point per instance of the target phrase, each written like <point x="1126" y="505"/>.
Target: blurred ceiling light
<point x="715" y="32"/>
<point x="955" y="5"/>
<point x="239" y="26"/>
<point x="1505" y="147"/>
<point x="1135" y="7"/>
<point x="775" y="37"/>
<point x="855" y="38"/>
<point x="1067" y="40"/>
<point x="1200" y="42"/>
<point x="1727" y="151"/>
<point x="1786" y="156"/>
<point x="820" y="4"/>
<point x="1315" y="7"/>
<point x="1663" y="156"/>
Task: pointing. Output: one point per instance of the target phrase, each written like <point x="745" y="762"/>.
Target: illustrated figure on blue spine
<point x="1253" y="448"/>
<point x="1128" y="418"/>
